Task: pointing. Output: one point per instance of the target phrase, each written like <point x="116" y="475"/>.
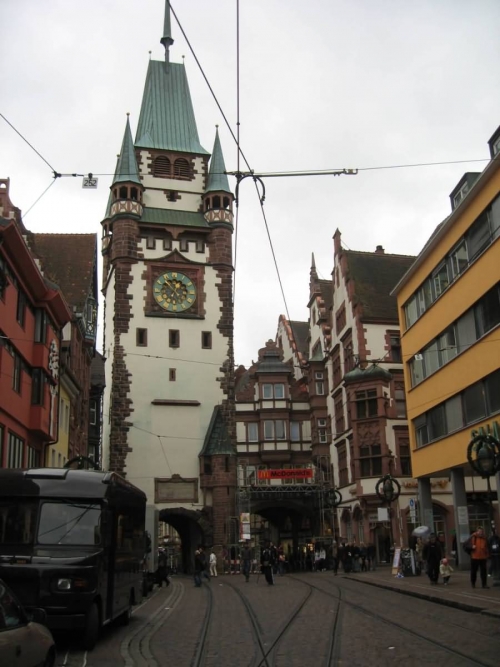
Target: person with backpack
<point x="477" y="548"/>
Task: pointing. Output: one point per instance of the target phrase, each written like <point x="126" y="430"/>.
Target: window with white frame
<point x="253" y="432"/>
<point x="274" y="429"/>
<point x="320" y="385"/>
<point x="295" y="431"/>
<point x="270" y="391"/>
<point x="459" y="259"/>
<point x="322" y="435"/>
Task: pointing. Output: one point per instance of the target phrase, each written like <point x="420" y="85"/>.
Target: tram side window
<point x="130" y="532"/>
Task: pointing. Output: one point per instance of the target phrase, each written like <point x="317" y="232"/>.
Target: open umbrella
<point x="422" y="531"/>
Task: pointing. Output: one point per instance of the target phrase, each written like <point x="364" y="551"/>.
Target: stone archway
<point x="194" y="528"/>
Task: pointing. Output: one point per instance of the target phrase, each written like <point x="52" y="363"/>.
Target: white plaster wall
<point x="156" y="199"/>
<point x="240" y="432"/>
<point x="159" y="252"/>
<point x="375" y="336"/>
<point x="181" y="428"/>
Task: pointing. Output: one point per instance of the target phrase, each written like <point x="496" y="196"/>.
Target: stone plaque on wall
<point x="176" y="489"/>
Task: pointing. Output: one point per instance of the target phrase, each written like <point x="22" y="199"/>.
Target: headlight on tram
<point x="67" y="584"/>
<point x="63" y="584"/>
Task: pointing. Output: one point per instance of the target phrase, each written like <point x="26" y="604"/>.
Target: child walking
<point x="445" y="569"/>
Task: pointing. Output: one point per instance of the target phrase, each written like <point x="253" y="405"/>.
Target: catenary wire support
<point x="240" y="176"/>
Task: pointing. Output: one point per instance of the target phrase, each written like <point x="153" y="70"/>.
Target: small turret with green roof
<point x="218" y="198"/>
<point x="126" y="188"/>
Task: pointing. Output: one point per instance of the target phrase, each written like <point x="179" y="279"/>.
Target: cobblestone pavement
<point x="304" y="619"/>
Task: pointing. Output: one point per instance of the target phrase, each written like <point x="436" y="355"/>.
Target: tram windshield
<point x="69" y="523"/>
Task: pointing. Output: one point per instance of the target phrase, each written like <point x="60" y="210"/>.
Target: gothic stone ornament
<point x="54" y="360"/>
<point x="174" y="292"/>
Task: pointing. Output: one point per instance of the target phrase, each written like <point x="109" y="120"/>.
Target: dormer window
<point x="460" y="195"/>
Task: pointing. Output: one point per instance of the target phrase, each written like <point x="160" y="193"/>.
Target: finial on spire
<point x="167" y="40"/>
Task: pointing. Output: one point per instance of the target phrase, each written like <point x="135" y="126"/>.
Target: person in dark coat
<point x="246" y="560"/>
<point x="267" y="562"/>
<point x="162" y="572"/>
<point x="432" y="555"/>
<point x="198" y="567"/>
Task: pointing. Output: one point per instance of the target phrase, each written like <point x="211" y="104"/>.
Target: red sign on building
<point x="285" y="473"/>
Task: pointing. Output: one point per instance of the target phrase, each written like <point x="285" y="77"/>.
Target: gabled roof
<point x="126" y="167"/>
<point x="217" y="440"/>
<point x="69" y="260"/>
<point x="375" y="275"/>
<point x="217" y="179"/>
<point x="167" y="118"/>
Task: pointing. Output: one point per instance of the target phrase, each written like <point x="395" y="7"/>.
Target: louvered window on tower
<point x="162" y="167"/>
<point x="182" y="169"/>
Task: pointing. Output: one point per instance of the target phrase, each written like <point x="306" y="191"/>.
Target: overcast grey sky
<point x="325" y="84"/>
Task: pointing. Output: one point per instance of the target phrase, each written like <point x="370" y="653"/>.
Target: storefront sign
<point x="245" y="526"/>
<point x="286" y="473"/>
<point x="395" y="560"/>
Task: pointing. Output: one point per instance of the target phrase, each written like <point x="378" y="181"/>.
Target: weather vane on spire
<point x="167" y="40"/>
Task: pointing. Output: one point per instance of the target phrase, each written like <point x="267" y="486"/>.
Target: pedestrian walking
<point x="363" y="555"/>
<point x="204" y="563"/>
<point x="479" y="554"/>
<point x="267" y="562"/>
<point x="246" y="559"/>
<point x="419" y="554"/>
<point x="198" y="567"/>
<point x="445" y="570"/>
<point x="162" y="572"/>
<point x="281" y="560"/>
<point x="213" y="563"/>
<point x="432" y="555"/>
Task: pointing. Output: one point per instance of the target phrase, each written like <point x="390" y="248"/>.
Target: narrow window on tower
<point x="172" y="374"/>
<point x="206" y="340"/>
<point x="151" y="243"/>
<point x="173" y="338"/>
<point x="167" y="244"/>
<point x="200" y="246"/>
<point x="141" y="337"/>
<point x="184" y="245"/>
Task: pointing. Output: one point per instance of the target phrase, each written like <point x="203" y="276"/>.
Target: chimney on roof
<point x="379" y="250"/>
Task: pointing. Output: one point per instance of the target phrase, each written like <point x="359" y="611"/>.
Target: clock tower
<point x="168" y="342"/>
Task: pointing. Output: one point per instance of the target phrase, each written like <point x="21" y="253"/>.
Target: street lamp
<point x="483" y="454"/>
<point x="388" y="489"/>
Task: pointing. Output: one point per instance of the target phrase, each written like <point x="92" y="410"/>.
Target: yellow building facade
<point x="57" y="454"/>
<point x="449" y="310"/>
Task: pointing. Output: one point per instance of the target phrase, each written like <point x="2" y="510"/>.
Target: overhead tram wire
<point x="38" y="199"/>
<point x="30" y="145"/>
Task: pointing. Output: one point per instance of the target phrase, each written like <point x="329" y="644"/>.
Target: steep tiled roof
<point x="326" y="287"/>
<point x="68" y="259"/>
<point x="374" y="276"/>
<point x="217" y="440"/>
<point x="300" y="335"/>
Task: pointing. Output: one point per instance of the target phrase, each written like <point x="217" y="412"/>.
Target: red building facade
<point x="32" y="315"/>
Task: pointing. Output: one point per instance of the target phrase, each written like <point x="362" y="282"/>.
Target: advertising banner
<point x="286" y="473"/>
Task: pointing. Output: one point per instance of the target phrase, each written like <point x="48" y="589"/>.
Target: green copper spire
<point x="126" y="167"/>
<point x="167" y="119"/>
<point x="167" y="40"/>
<point x="217" y="179"/>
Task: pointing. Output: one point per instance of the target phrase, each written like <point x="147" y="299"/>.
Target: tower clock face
<point x="174" y="292"/>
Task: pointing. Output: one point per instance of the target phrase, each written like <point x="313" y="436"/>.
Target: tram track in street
<point x="473" y="660"/>
<point x="270" y="656"/>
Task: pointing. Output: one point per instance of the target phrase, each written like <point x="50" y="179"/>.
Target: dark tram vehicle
<point x="72" y="543"/>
